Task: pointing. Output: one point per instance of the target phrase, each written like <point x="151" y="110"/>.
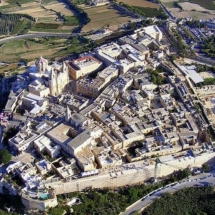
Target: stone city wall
<point x="131" y="176"/>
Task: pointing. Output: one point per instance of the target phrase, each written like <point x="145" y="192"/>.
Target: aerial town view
<point x="107" y="107"/>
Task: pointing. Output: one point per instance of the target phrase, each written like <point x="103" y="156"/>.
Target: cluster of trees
<point x="81" y="15"/>
<point x="156" y="78"/>
<point x="11" y="132"/>
<point x="192" y="201"/>
<point x="9" y="21"/>
<point x="208" y="46"/>
<point x="107" y="201"/>
<point x="181" y="47"/>
<point x="47" y="25"/>
<point x="8" y="201"/>
<point x="4" y="98"/>
<point x="22" y="26"/>
<point x="145" y="11"/>
<point x="5" y="157"/>
<point x="77" y="45"/>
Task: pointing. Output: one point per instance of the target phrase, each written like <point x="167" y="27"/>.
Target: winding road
<point x="200" y="180"/>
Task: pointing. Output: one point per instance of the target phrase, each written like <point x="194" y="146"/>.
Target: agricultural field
<point x="140" y="3"/>
<point x="187" y="6"/>
<point x="59" y="7"/>
<point x="36" y="11"/>
<point x="190" y="9"/>
<point x="102" y="16"/>
<point x="208" y="4"/>
<point x="42" y="11"/>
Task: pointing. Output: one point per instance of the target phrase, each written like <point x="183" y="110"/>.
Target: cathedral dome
<point x="78" y="118"/>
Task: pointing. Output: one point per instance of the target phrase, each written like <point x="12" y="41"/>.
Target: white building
<point x="34" y="103"/>
<point x="43" y="143"/>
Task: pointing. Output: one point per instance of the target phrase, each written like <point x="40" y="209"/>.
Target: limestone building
<point x="83" y="66"/>
<point x="48" y="79"/>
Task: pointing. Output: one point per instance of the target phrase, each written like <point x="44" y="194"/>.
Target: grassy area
<point x="20" y="46"/>
<point x="16" y="50"/>
<point x="209" y="81"/>
<point x="19" y="1"/>
<point x="71" y="20"/>
<point x="50" y="30"/>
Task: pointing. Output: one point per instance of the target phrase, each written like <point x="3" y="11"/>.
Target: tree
<point x="11" y="132"/>
<point x="172" y="58"/>
<point x="205" y="167"/>
<point x="5" y="157"/>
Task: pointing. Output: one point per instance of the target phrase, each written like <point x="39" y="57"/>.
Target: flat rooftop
<point x="59" y="133"/>
<point x="80" y="139"/>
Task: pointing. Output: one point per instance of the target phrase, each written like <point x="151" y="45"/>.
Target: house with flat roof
<point x="43" y="167"/>
<point x="44" y="144"/>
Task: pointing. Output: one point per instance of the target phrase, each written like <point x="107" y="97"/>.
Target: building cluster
<point x="100" y="111"/>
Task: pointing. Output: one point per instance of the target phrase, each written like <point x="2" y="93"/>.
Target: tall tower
<point x="53" y="83"/>
<point x="41" y="65"/>
<point x="66" y="72"/>
<point x="67" y="114"/>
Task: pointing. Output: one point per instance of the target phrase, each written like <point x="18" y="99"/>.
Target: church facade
<point x="48" y="80"/>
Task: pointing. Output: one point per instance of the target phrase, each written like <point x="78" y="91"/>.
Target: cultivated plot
<point x="140" y="3"/>
<point x="103" y="16"/>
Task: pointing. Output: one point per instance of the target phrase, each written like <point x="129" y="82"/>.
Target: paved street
<point x="200" y="180"/>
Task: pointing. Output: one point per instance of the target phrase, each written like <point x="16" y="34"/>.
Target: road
<point x="166" y="11"/>
<point x="200" y="180"/>
<point x="33" y="35"/>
